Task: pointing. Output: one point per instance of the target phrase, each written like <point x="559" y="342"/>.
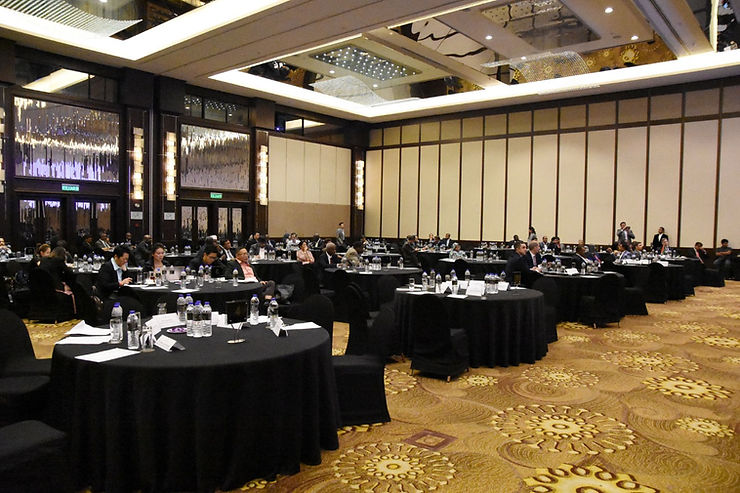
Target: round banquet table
<point x="216" y="293"/>
<point x="368" y="281"/>
<point x="639" y="274"/>
<point x="211" y="417"/>
<point x="573" y="288"/>
<point x="273" y="270"/>
<point x="504" y="329"/>
<point x="385" y="258"/>
<point x="478" y="268"/>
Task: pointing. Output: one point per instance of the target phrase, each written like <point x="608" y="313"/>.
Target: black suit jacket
<point x="446" y="243"/>
<point x="325" y="261"/>
<point x="58" y="271"/>
<point x="217" y="267"/>
<point x="409" y="255"/>
<point x="529" y="262"/>
<point x="658" y="241"/>
<point x="516" y="263"/>
<point x="148" y="267"/>
<point x="107" y="281"/>
<point x="578" y="261"/>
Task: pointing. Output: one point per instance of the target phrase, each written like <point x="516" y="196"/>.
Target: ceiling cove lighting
<point x="363" y="62"/>
<point x="58" y="80"/>
<point x="182" y="28"/>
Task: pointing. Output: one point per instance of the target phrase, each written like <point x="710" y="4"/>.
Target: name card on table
<point x="663" y="263"/>
<point x="503" y="286"/>
<point x="302" y="325"/>
<point x="475" y="288"/>
<point x="571" y="271"/>
<point x="168" y="344"/>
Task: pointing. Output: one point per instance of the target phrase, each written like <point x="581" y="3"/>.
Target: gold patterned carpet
<point x="648" y="406"/>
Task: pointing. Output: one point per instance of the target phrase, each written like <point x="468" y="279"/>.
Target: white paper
<point x="152" y="287"/>
<point x="166" y="343"/>
<point x="644" y="262"/>
<point x="85" y="340"/>
<point x="82" y="329"/>
<point x="503" y="286"/>
<point x="663" y="263"/>
<point x="185" y="291"/>
<point x="443" y="287"/>
<point x="107" y="355"/>
<point x="369" y="272"/>
<point x="248" y="280"/>
<point x="418" y="292"/>
<point x="302" y="325"/>
<point x="571" y="271"/>
<point x="159" y="322"/>
<point x="457" y="296"/>
<point x="476" y="288"/>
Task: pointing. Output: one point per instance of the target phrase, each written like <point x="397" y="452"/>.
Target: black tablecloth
<point x="639" y="275"/>
<point x="217" y="293"/>
<point x="693" y="269"/>
<point x="478" y="268"/>
<point x="213" y="416"/>
<point x="505" y="329"/>
<point x="368" y="281"/>
<point x="273" y="270"/>
<point x="573" y="288"/>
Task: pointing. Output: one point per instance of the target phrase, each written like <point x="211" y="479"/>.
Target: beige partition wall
<point x="664" y="170"/>
<point x="653" y="159"/>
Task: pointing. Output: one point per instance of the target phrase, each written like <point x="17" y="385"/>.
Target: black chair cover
<point x="436" y="349"/>
<point x="16" y="352"/>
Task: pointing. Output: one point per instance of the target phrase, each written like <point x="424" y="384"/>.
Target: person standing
<point x="340" y="235"/>
<point x="658" y="239"/>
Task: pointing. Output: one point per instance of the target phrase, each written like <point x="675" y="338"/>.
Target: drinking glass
<point x="412" y="282"/>
<point x="161" y="308"/>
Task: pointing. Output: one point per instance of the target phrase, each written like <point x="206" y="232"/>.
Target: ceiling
<point x="380" y="60"/>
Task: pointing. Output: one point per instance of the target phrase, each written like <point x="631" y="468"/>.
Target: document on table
<point x="457" y="296"/>
<point x="248" y="279"/>
<point x="85" y="340"/>
<point x="302" y="325"/>
<point x="475" y="288"/>
<point x="82" y="329"/>
<point x="107" y="355"/>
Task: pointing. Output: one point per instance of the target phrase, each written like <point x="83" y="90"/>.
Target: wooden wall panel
<point x="376" y="137"/>
<point x="343" y="190"/>
<point x="520" y="122"/>
<point x="728" y="224"/>
<point x="372" y="192"/>
<point x="391" y="136"/>
<point x="664" y="169"/>
<point x="630" y="207"/>
<point x="602" y="113"/>
<point x="328" y="185"/>
<point x="449" y="188"/>
<point x="470" y="203"/>
<point x="698" y="185"/>
<point x="473" y="127"/>
<point x="573" y="116"/>
<point x="276" y="168"/>
<point x="494" y="182"/>
<point x="600" y="187"/>
<point x="430" y="132"/>
<point x="391" y="166"/>
<point x="295" y="157"/>
<point x="409" y="201"/>
<point x="312" y="173"/>
<point x="731" y="99"/>
<point x="544" y="183"/>
<point x="410" y="134"/>
<point x="306" y="219"/>
<point x="428" y="188"/>
<point x="571" y="186"/>
<point x="517" y="195"/>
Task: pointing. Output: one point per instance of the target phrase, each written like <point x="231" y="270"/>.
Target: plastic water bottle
<point x="400" y="263"/>
<point x="197" y="320"/>
<point x="116" y="324"/>
<point x="453" y="280"/>
<point x="424" y="281"/>
<point x="201" y="279"/>
<point x="272" y="313"/>
<point x="467" y="275"/>
<point x="183" y="279"/>
<point x="254" y="310"/>
<point x="583" y="268"/>
<point x="235" y="277"/>
<point x="188" y="299"/>
<point x="207" y="320"/>
<point x="158" y="277"/>
<point x="438" y="283"/>
<point x="76" y="261"/>
<point x="182" y="305"/>
<point x="132" y="330"/>
<point x="189" y="319"/>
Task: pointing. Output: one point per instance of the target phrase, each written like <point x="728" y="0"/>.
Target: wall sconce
<point x="170" y="172"/>
<point x="359" y="184"/>
<point x="137" y="176"/>
<point x="262" y="160"/>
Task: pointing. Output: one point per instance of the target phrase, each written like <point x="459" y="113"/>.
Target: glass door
<point x="41" y="221"/>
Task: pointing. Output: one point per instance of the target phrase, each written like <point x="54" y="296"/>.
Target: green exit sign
<point x="70" y="187"/>
<point x="217" y="195"/>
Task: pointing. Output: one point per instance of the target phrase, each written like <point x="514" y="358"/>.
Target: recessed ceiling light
<point x="331" y="71"/>
<point x="489" y="37"/>
<point x="375" y="85"/>
<point x="608" y="10"/>
<point x="635" y="37"/>
<point x="524" y="58"/>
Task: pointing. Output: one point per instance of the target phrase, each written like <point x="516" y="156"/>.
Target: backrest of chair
<point x="319" y="310"/>
<point x="425" y="262"/>
<point x="657" y="279"/>
<point x="15" y="339"/>
<point x="356" y="302"/>
<point x="549" y="289"/>
<point x="340" y="279"/>
<point x="430" y="328"/>
<point x="299" y="287"/>
<point x="609" y="294"/>
<point x="85" y="282"/>
<point x="387" y="286"/>
<point x="384" y="337"/>
<point x="41" y="284"/>
<point x="461" y="265"/>
<point x="358" y="341"/>
<point x="311" y="279"/>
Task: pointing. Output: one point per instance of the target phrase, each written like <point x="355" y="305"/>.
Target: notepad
<point x="107" y="355"/>
<point x="82" y="329"/>
<point x="86" y="340"/>
<point x="302" y="325"/>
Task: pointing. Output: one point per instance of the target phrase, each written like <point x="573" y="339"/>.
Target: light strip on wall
<point x="137" y="176"/>
<point x="262" y="163"/>
<point x="58" y="80"/>
<point x="170" y="169"/>
<point x="360" y="184"/>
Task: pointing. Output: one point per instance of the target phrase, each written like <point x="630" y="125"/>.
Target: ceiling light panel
<point x="364" y="62"/>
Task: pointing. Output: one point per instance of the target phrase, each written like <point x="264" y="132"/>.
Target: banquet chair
<point x="605" y="305"/>
<point x="712" y="277"/>
<point x="299" y="287"/>
<point x="360" y="389"/>
<point x="23" y="397"/>
<point x="358" y="314"/>
<point x="551" y="292"/>
<point x="425" y="263"/>
<point x="437" y="349"/>
<point x="387" y="286"/>
<point x="33" y="457"/>
<point x="338" y="282"/>
<point x="316" y="308"/>
<point x="310" y="279"/>
<point x="16" y="352"/>
<point x="461" y="265"/>
<point x="46" y="303"/>
<point x="656" y="290"/>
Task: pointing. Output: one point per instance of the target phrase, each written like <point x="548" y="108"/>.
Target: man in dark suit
<point x="317" y="242"/>
<point x="580" y="259"/>
<point x="113" y="276"/>
<point x="260" y="248"/>
<point x="86" y="247"/>
<point x="408" y="252"/>
<point x="447" y="242"/>
<point x="533" y="258"/>
<point x="555" y="245"/>
<point x="143" y="252"/>
<point x="699" y="252"/>
<point x="329" y="257"/>
<point x="208" y="259"/>
<point x="517" y="262"/>
<point x="240" y="264"/>
<point x="658" y="239"/>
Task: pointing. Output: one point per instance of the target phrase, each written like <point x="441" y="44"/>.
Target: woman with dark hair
<point x="304" y="255"/>
<point x="157" y="261"/>
<point x="532" y="234"/>
<point x="55" y="264"/>
<point x="42" y="252"/>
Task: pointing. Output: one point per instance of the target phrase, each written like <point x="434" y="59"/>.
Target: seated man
<point x="292" y="243"/>
<point x="113" y="276"/>
<point x="517" y="262"/>
<point x="699" y="252"/>
<point x="260" y="249"/>
<point x="87" y="248"/>
<point x="329" y="257"/>
<point x="456" y="252"/>
<point x="353" y="255"/>
<point x="580" y="259"/>
<point x="447" y="242"/>
<point x="244" y="271"/>
<point x="533" y="259"/>
<point x="555" y="245"/>
<point x="544" y="245"/>
<point x="723" y="262"/>
<point x="317" y="242"/>
<point x="408" y="252"/>
<point x="208" y="259"/>
<point x="3" y="246"/>
<point x="143" y="253"/>
<point x="103" y="243"/>
<point x="225" y="251"/>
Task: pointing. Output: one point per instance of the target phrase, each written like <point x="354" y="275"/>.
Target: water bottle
<point x="583" y="268"/>
<point x="197" y="320"/>
<point x="254" y="310"/>
<point x="207" y="320"/>
<point x="235" y="277"/>
<point x="453" y="277"/>
<point x="90" y="264"/>
<point x="132" y="330"/>
<point x="200" y="277"/>
<point x="158" y="277"/>
<point x="438" y="282"/>
<point x="188" y="299"/>
<point x="76" y="261"/>
<point x="181" y="307"/>
<point x="189" y="319"/>
<point x="467" y="275"/>
<point x="272" y="313"/>
<point x="183" y="279"/>
<point x="116" y="324"/>
<point x="424" y="281"/>
<point x="400" y="263"/>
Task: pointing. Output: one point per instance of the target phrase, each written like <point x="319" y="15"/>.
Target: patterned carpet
<point x="648" y="406"/>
